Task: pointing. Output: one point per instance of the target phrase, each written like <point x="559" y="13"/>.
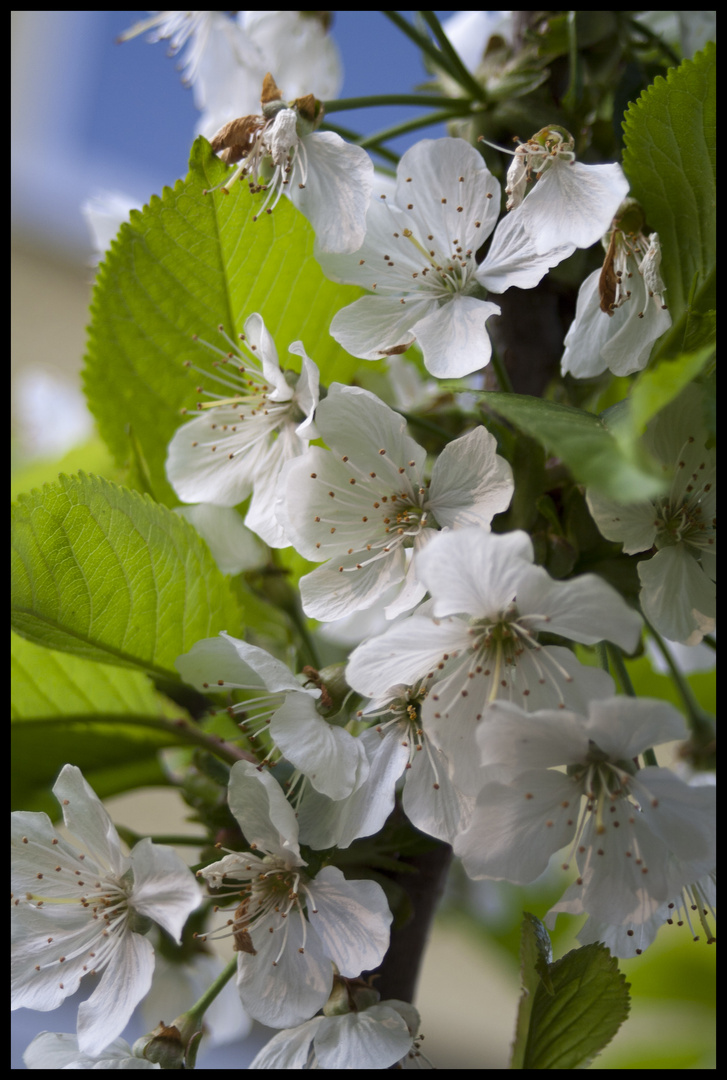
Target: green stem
<point x="699" y="720"/>
<point x="410" y="125"/>
<point x="421" y="41"/>
<point x="602" y="654"/>
<point x="503" y="379"/>
<point x="309" y="645"/>
<point x="189" y="1023"/>
<point x="457" y="68"/>
<point x="423" y="100"/>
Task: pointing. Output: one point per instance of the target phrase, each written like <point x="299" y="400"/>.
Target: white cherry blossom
<point x="242" y="439"/>
<point x="290" y="927"/>
<point x="637" y="834"/>
<point x="678" y="591"/>
<point x="571" y="203"/>
<point x="620" y="311"/>
<point x="481" y="644"/>
<point x="364" y="504"/>
<point x="334" y="762"/>
<point x="418" y="257"/>
<point x="81" y="905"/>
<point x="326" y="178"/>
<point x="374" y="1037"/>
<point x="57" y="1050"/>
<point x="396" y="746"/>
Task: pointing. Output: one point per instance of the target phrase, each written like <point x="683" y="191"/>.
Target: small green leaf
<point x="536" y="955"/>
<point x="670" y="137"/>
<point x="588" y="1004"/>
<point x="655" y="388"/>
<point x="106" y="720"/>
<point x="583" y="443"/>
<point x="107" y="574"/>
<point x="184" y="265"/>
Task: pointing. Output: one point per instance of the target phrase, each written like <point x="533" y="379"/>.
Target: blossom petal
<point x="265" y="815"/>
<point x="405" y="653"/>
<point x="514" y="259"/>
<point x="125" y="981"/>
<point x="470" y="481"/>
<point x="677" y="596"/>
<point x="337" y="191"/>
<point x="568" y="606"/>
<point x="374" y="1038"/>
<point x="373" y="325"/>
<point x="86" y="817"/>
<point x="332" y="759"/>
<point x="631" y="525"/>
<point x="573" y="203"/>
<point x="165" y="889"/>
<point x="453" y="338"/>
<point x="352" y="919"/>
<point x="289" y="979"/>
<point x="237" y="664"/>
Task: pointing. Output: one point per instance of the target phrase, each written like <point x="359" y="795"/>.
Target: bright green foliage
<point x="670" y="160"/>
<point x="105" y="719"/>
<point x="582" y="442"/>
<point x="107" y="574"/>
<point x="568" y="1017"/>
<point x="184" y="265"/>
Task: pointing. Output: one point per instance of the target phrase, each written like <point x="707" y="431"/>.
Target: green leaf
<point x="583" y="443"/>
<point x="588" y="1003"/>
<point x="107" y="574"/>
<point x="654" y="389"/>
<point x="536" y="955"/>
<point x="184" y="265"/>
<point x="670" y="160"/>
<point x="107" y="720"/>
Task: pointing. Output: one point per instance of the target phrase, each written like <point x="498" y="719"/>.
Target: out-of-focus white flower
<point x="243" y="439"/>
<point x="326" y="178"/>
<point x="375" y="1037"/>
<point x="55" y="1050"/>
<point x="571" y="203"/>
<point x="418" y="257"/>
<point x="334" y="762"/>
<point x="225" y="59"/>
<point x="620" y="311"/>
<point x="104" y="212"/>
<point x="678" y="592"/>
<point x="234" y="547"/>
<point x="470" y="33"/>
<point x="489" y="602"/>
<point x="362" y="504"/>
<point x="290" y="928"/>
<point x="86" y="907"/>
<point x="638" y="835"/>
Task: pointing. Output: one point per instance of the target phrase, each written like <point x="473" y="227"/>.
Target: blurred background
<point x="88" y="115"/>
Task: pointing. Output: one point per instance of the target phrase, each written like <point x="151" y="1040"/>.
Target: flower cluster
<point x="471" y="705"/>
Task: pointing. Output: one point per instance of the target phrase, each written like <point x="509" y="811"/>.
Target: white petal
<point x="405" y="653"/>
<point x="516" y="828"/>
<point x="625" y="727"/>
<point x="283" y="987"/>
<point x="332" y="759"/>
<point x="677" y="596"/>
<point x="261" y="517"/>
<point x="86" y="818"/>
<point x="515" y="260"/>
<point x="567" y="608"/>
<point x="125" y="981"/>
<point x="199" y="466"/>
<point x="474" y="571"/>
<point x="165" y="888"/>
<point x="632" y="525"/>
<point x="453" y="338"/>
<point x="470" y="481"/>
<point x="235" y="663"/>
<point x="52" y="1050"/>
<point x="260" y="340"/>
<point x="373" y="1039"/>
<point x="371" y="326"/>
<point x="352" y="919"/>
<point x="289" y="1049"/>
<point x="572" y="203"/>
<point x="431" y="801"/>
<point x="307" y="391"/>
<point x="265" y="815"/>
<point x="330" y="593"/>
<point x="509" y="736"/>
<point x="337" y="192"/>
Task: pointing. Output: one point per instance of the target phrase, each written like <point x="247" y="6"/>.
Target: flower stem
<point x="616" y="658"/>
<point x="699" y="720"/>
<point x="423" y="100"/>
<point x="409" y="125"/>
<point x="456" y="67"/>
